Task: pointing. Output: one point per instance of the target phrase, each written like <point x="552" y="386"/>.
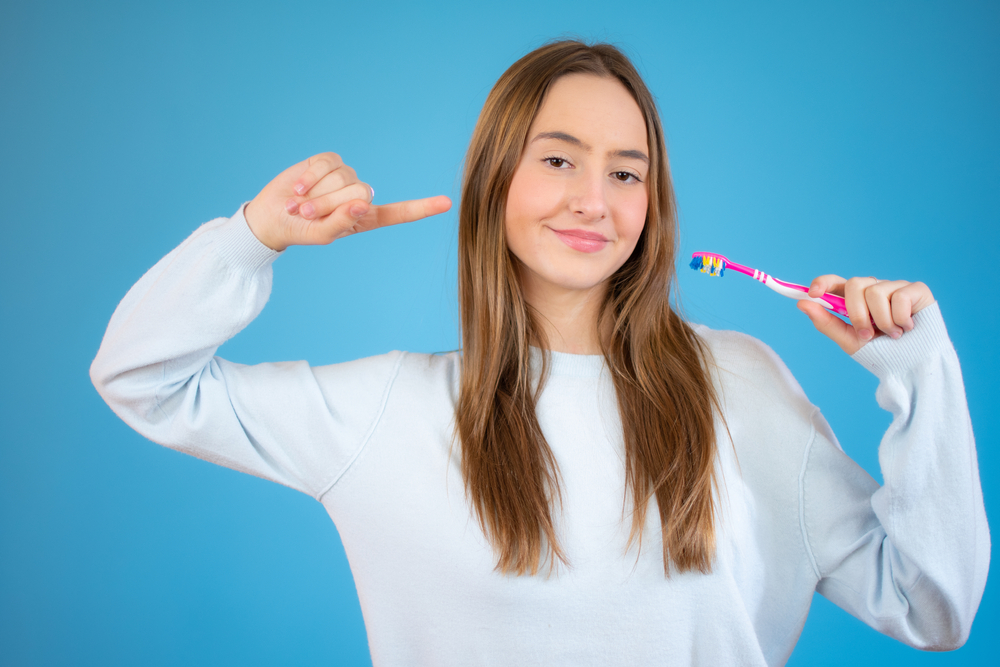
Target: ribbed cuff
<point x="240" y="248"/>
<point x="885" y="356"/>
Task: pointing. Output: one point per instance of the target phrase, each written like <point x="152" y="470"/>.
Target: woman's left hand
<point x="890" y="304"/>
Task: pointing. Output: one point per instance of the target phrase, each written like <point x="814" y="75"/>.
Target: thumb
<point x="831" y="326"/>
<point x="345" y="220"/>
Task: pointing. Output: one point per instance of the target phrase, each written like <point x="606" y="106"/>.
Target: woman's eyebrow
<point x="562" y="136"/>
<point x="635" y="155"/>
<point x="570" y="139"/>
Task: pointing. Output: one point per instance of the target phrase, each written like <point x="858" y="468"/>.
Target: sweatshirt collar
<point x="563" y="364"/>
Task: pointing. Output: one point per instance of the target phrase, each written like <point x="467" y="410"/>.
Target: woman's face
<point x="577" y="203"/>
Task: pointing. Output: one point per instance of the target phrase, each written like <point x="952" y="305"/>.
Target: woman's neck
<point x="568" y="318"/>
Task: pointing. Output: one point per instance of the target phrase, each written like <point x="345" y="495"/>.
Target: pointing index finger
<point x="406" y="211"/>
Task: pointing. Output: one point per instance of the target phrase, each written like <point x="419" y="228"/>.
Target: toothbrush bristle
<point x="713" y="265"/>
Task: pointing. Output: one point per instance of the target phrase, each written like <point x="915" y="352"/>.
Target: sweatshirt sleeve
<point x="908" y="558"/>
<point x="157" y="369"/>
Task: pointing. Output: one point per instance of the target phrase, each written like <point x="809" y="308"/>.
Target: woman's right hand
<point x="320" y="200"/>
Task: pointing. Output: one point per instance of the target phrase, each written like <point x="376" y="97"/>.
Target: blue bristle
<point x="713" y="266"/>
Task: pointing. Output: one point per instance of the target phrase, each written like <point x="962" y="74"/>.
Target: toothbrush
<point x="715" y="265"/>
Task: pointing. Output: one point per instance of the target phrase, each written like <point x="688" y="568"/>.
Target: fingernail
<point x="896" y="334"/>
<point x="373" y="193"/>
<point x="358" y="211"/>
<point x="307" y="210"/>
<point x="291" y="206"/>
<point x="865" y="334"/>
<point x="300" y="188"/>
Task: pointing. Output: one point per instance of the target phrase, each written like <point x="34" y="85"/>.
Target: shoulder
<point x="390" y="368"/>
<point x="367" y="371"/>
<point x="430" y="375"/>
<point x="752" y="380"/>
<point x="739" y="355"/>
<point x="439" y="364"/>
<point x="769" y="421"/>
<point x="416" y="385"/>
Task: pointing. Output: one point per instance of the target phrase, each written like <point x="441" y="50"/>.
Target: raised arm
<point x="909" y="558"/>
<point x="287" y="422"/>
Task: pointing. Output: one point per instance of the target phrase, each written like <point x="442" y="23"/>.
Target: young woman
<point x="591" y="479"/>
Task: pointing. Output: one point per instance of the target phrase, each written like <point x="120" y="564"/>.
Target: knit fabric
<point x="373" y="441"/>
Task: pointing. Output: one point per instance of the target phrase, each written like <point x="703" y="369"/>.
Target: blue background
<point x="853" y="137"/>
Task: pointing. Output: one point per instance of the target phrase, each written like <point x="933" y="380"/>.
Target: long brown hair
<point x="658" y="365"/>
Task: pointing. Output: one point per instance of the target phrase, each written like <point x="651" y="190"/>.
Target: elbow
<point x="104" y="376"/>
<point x="944" y="621"/>
<point x="97" y="375"/>
<point x="949" y="635"/>
<point x="949" y="640"/>
<point x="130" y="392"/>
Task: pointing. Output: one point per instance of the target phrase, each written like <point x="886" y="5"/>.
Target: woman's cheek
<point x="531" y="199"/>
<point x="634" y="218"/>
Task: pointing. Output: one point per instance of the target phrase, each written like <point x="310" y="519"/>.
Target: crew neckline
<point x="564" y="364"/>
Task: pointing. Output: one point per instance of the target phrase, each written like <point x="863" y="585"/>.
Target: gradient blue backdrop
<point x="861" y="138"/>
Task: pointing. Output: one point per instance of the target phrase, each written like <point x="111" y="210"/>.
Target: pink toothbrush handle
<point x="799" y="292"/>
<point x="837" y="303"/>
<point x="828" y="301"/>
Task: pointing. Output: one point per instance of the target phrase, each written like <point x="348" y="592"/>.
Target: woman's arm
<point x="286" y="422"/>
<point x="909" y="558"/>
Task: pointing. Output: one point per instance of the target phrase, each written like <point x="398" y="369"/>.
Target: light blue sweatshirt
<point x="372" y="440"/>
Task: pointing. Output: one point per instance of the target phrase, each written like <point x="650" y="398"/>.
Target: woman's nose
<point x="587" y="199"/>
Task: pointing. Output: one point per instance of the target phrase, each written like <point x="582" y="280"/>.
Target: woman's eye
<point x="625" y="177"/>
<point x="556" y="162"/>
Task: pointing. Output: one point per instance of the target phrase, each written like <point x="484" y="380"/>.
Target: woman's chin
<point x="566" y="282"/>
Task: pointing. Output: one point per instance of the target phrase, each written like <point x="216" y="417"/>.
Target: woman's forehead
<point x="598" y="112"/>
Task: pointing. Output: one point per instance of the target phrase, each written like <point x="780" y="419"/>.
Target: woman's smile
<point x="582" y="240"/>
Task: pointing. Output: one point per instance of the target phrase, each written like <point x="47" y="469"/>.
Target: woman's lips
<point x="582" y="240"/>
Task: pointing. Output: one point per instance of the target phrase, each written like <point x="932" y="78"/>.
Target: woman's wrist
<point x="258" y="229"/>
